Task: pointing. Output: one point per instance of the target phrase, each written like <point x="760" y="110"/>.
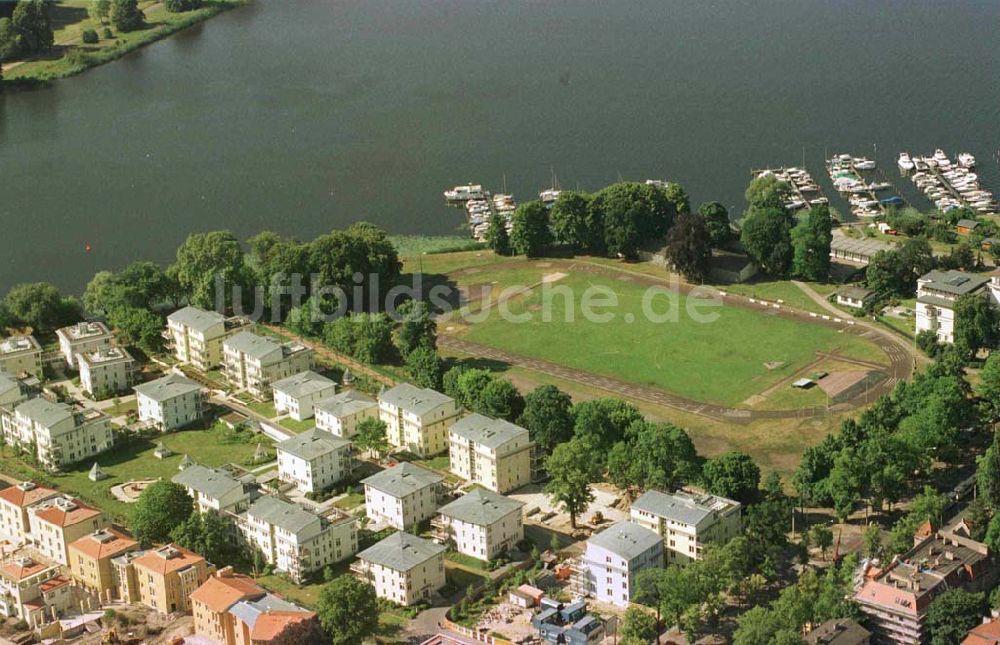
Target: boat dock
<point x="947" y="184"/>
<point x="806" y="193"/>
<point x="862" y="193"/>
<point x="480" y="206"/>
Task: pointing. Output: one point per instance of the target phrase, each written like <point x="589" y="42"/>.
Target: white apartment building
<point x="21" y="355"/>
<point x="417" y="419"/>
<point x="341" y="413"/>
<point x="109" y="370"/>
<point x="14" y="503"/>
<point x="493" y="453"/>
<point x="937" y="293"/>
<point x="254" y="363"/>
<point x="171" y="402"/>
<point x="402" y="496"/>
<point x="297" y="394"/>
<point x="613" y="558"/>
<point x="481" y="524"/>
<point x="196" y="335"/>
<point x="62" y="435"/>
<point x="214" y="489"/>
<point x="403" y="568"/>
<point x="686" y="521"/>
<point x="314" y="460"/>
<point x="83" y="338"/>
<point x="11" y="393"/>
<point x="296" y="541"/>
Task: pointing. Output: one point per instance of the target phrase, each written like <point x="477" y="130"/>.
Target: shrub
<point x="107" y="33"/>
<point x="90" y="36"/>
<point x="177" y="6"/>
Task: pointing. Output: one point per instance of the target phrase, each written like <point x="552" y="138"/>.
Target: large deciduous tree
<point x="548" y="417"/>
<point x="41" y="306"/>
<point x="575" y="224"/>
<point x="161" y="507"/>
<point x="953" y="614"/>
<point x="720" y="231"/>
<point x="733" y="475"/>
<point x="811" y="240"/>
<point x="33" y="26"/>
<point x="497" y="236"/>
<point x="766" y="235"/>
<point x="571" y="469"/>
<point x="348" y="610"/>
<point x="126" y="15"/>
<point x="689" y="246"/>
<point x="207" y="262"/>
<point x="977" y="324"/>
<point x="531" y="233"/>
<point x="417" y="328"/>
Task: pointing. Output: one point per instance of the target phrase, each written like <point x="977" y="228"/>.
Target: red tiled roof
<point x="92" y="547"/>
<point x="272" y="624"/>
<point x="899" y="600"/>
<point x="153" y="560"/>
<point x="59" y="517"/>
<point x="23" y="498"/>
<point x="53" y="583"/>
<point x="985" y="634"/>
<point x="16" y="572"/>
<point x="221" y="593"/>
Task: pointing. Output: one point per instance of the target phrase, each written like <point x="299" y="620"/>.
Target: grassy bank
<point x="412" y="245"/>
<point x="70" y="56"/>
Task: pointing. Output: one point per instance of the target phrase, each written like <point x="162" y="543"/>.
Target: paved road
<point x="899" y="354"/>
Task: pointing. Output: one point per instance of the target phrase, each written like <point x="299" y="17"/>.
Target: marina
<point x="806" y="193"/>
<point x="864" y="187"/>
<point x="481" y="205"/>
<point x="948" y="184"/>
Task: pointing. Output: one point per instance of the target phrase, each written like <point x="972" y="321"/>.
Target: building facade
<point x="90" y="560"/>
<point x="937" y="293"/>
<point x="60" y="434"/>
<point x="687" y="522"/>
<point x="481" y="524"/>
<point x="167" y="576"/>
<point x="612" y="559"/>
<point x="15" y="501"/>
<point x="106" y="371"/>
<point x="214" y="489"/>
<point x="56" y="523"/>
<point x="83" y="338"/>
<point x="314" y="460"/>
<point x="403" y="568"/>
<point x="297" y="394"/>
<point x="402" y="496"/>
<point x="417" y="419"/>
<point x="341" y="413"/>
<point x="21" y="355"/>
<point x="170" y="403"/>
<point x="493" y="453"/>
<point x="254" y="363"/>
<point x="196" y="336"/>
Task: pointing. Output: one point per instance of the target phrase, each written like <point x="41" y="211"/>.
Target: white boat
<point x="819" y="200"/>
<point x="966" y="160"/>
<point x="905" y="162"/>
<point x="464" y="193"/>
<point x="549" y="196"/>
<point x="940" y="155"/>
<point x="864" y="164"/>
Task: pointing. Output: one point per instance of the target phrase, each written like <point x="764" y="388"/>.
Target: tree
<point x="31" y="22"/>
<point x="766" y="236"/>
<point x="40" y="306"/>
<point x="497" y="237"/>
<point x="733" y="475"/>
<point x="989" y="387"/>
<point x="302" y="632"/>
<point x="720" y="231"/>
<point x="548" y="417"/>
<point x="348" y="610"/>
<point x="99" y="10"/>
<point x="988" y="475"/>
<point x="138" y="327"/>
<point x="277" y="263"/>
<point x="531" y="233"/>
<point x="637" y="627"/>
<point x="371" y="437"/>
<point x="601" y="423"/>
<point x="658" y="456"/>
<point x="632" y="214"/>
<point x="126" y="15"/>
<point x="208" y="535"/>
<point x="206" y="261"/>
<point x="821" y="536"/>
<point x="366" y="337"/>
<point x="648" y="589"/>
<point x="571" y="470"/>
<point x="977" y="324"/>
<point x="162" y="506"/>
<point x="688" y="246"/>
<point x="811" y="240"/>
<point x="872" y="540"/>
<point x="500" y="399"/>
<point x="953" y="614"/>
<point x="767" y="191"/>
<point x="178" y="6"/>
<point x="425" y="368"/>
<point x="417" y="328"/>
<point x="9" y="44"/>
<point x="575" y="224"/>
<point x="140" y="284"/>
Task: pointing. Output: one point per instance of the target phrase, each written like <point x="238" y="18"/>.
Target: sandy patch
<point x="553" y="277"/>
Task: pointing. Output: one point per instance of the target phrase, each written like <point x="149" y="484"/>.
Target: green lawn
<point x="720" y="362"/>
<point x="263" y="408"/>
<point x="783" y="290"/>
<point x="351" y="500"/>
<point x="297" y="426"/>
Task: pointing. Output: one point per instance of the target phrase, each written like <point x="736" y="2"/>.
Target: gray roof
<point x="249" y="611"/>
<point x="168" y="387"/>
<point x="196" y="319"/>
<point x="480" y="507"/>
<point x="414" y="399"/>
<point x="252" y="345"/>
<point x="303" y="384"/>
<point x="841" y="631"/>
<point x="403" y="479"/>
<point x="488" y="432"/>
<point x="864" y="247"/>
<point x="401" y="551"/>
<point x="345" y="403"/>
<point x="210" y="482"/>
<point x="285" y="515"/>
<point x="854" y="292"/>
<point x="8" y="383"/>
<point x="967" y="223"/>
<point x="44" y="412"/>
<point x="312" y="444"/>
<point x="626" y="540"/>
<point x="953" y="282"/>
<point x="682" y="507"/>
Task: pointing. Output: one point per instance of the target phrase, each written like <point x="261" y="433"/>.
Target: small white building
<point x="341" y="413"/>
<point x="21" y="355"/>
<point x="83" y="338"/>
<point x="613" y="557"/>
<point x="314" y="460"/>
<point x="481" y="524"/>
<point x="402" y="496"/>
<point x="106" y="371"/>
<point x="254" y="363"/>
<point x="170" y="403"/>
<point x="403" y="568"/>
<point x="417" y="419"/>
<point x="214" y="489"/>
<point x="493" y="453"/>
<point x="687" y="522"/>
<point x="937" y="293"/>
<point x="60" y="434"/>
<point x="196" y="335"/>
<point x="854" y="297"/>
<point x="297" y="394"/>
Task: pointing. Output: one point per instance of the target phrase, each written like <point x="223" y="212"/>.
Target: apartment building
<point x="23" y="581"/>
<point x="61" y="434"/>
<point x="83" y="338"/>
<point x="297" y="394"/>
<point x="481" y="524"/>
<point x="106" y="371"/>
<point x="296" y="541"/>
<point x="215" y="489"/>
<point x="314" y="460"/>
<point x="341" y="413"/>
<point x="493" y="453"/>
<point x="168" y="575"/>
<point x="612" y="559"/>
<point x="937" y="293"/>
<point x="90" y="560"/>
<point x="196" y="335"/>
<point x="12" y="392"/>
<point x="21" y="355"/>
<point x="14" y="504"/>
<point x="254" y="363"/>
<point x="58" y="522"/>
<point x="170" y="403"/>
<point x="402" y="496"/>
<point x="403" y="568"/>
<point x="687" y="521"/>
<point x="417" y="419"/>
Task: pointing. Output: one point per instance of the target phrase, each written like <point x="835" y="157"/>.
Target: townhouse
<point x="83" y="338"/>
<point x="341" y="413"/>
<point x="254" y="363"/>
<point x="21" y="355"/>
<point x="170" y="403"/>
<point x="403" y="568"/>
<point x="402" y="496"/>
<point x="167" y="576"/>
<point x="493" y="453"/>
<point x="314" y="460"/>
<point x="614" y="557"/>
<point x="106" y="371"/>
<point x="31" y="591"/>
<point x="214" y="489"/>
<point x="297" y="394"/>
<point x="58" y="522"/>
<point x="196" y="335"/>
<point x="417" y="419"/>
<point x="90" y="560"/>
<point x="15" y="501"/>
<point x="481" y="524"/>
<point x="60" y="434"/>
<point x="687" y="521"/>
<point x="937" y="293"/>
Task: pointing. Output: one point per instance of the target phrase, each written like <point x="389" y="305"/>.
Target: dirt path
<point x="336" y="357"/>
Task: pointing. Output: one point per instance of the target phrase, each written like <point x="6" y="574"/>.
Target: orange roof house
<point x="167" y="577"/>
<point x="986" y="634"/>
<point x="56" y="523"/>
<point x="14" y="503"/>
<point x="90" y="559"/>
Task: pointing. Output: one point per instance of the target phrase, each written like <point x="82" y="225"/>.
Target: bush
<point x="90" y="36"/>
<point x="178" y="6"/>
<point x="107" y="33"/>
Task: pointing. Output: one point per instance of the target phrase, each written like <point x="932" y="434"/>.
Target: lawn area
<point x="466" y="561"/>
<point x="121" y="408"/>
<point x="303" y="594"/>
<point x="440" y="463"/>
<point x="352" y="500"/>
<point x="783" y="290"/>
<point x="297" y="426"/>
<point x="720" y="362"/>
<point x="135" y="460"/>
<point x="263" y="408"/>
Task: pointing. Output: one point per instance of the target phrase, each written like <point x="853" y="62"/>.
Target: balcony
<point x="440" y="529"/>
<point x="360" y="569"/>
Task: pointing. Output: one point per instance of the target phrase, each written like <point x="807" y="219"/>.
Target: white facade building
<point x="109" y="370"/>
<point x="417" y="419"/>
<point x="613" y="558"/>
<point x="403" y="568"/>
<point x="937" y="293"/>
<point x="14" y="503"/>
<point x="402" y="496"/>
<point x="341" y="413"/>
<point x="481" y="524"/>
<point x="297" y="394"/>
<point x="171" y="402"/>
<point x="83" y="338"/>
<point x="686" y="522"/>
<point x="254" y="363"/>
<point x="62" y="435"/>
<point x="493" y="453"/>
<point x="214" y="489"/>
<point x="314" y="460"/>
<point x="196" y="335"/>
<point x="21" y="355"/>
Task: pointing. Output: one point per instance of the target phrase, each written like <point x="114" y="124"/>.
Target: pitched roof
<point x="682" y="507"/>
<point x="345" y="403"/>
<point x="250" y="611"/>
<point x="64" y="511"/>
<point x="401" y="551"/>
<point x="953" y="282"/>
<point x="169" y="387"/>
<point x="214" y="483"/>
<point x="841" y="631"/>
<point x="104" y="543"/>
<point x="272" y="624"/>
<point x="987" y="633"/>
<point x="54" y="583"/>
<point x="22" y="568"/>
<point x="854" y="292"/>
<point x="166" y="559"/>
<point x="480" y="507"/>
<point x="312" y="444"/>
<point x="197" y="319"/>
<point x="285" y="515"/>
<point x="27" y="493"/>
<point x="403" y="479"/>
<point x="44" y="412"/>
<point x="488" y="432"/>
<point x="303" y="384"/>
<point x="219" y="593"/>
<point x="254" y="346"/>
<point x="626" y="540"/>
<point x="414" y="399"/>
<point x="8" y="383"/>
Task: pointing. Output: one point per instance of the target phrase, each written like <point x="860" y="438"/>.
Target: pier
<point x="806" y="192"/>
<point x="848" y="176"/>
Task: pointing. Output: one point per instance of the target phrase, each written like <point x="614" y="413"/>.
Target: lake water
<point x="301" y="116"/>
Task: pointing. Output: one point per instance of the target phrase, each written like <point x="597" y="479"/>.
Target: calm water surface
<point x="301" y="116"/>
